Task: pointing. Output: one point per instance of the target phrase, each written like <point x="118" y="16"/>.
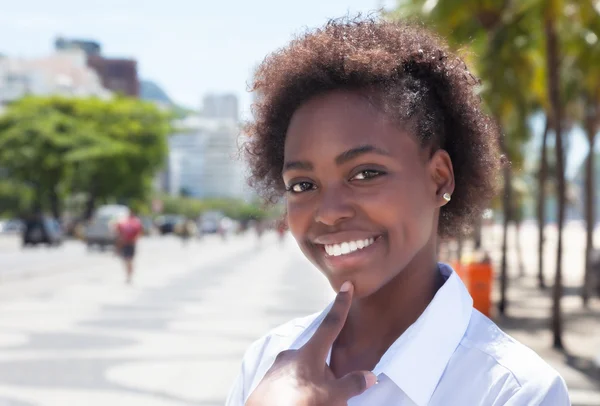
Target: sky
<point x="188" y="47"/>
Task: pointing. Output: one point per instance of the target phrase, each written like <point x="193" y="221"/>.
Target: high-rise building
<point x="221" y="106"/>
<point x="62" y="73"/>
<point x="119" y="75"/>
<point x="202" y="159"/>
<point x="87" y="46"/>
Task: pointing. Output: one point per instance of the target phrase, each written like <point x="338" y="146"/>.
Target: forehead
<point x="343" y="119"/>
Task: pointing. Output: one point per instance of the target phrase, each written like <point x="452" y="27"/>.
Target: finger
<point x="332" y="324"/>
<point x="352" y="384"/>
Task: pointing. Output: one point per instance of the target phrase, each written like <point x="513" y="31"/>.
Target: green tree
<point x="35" y="134"/>
<point x="106" y="149"/>
<point x="129" y="147"/>
<point x="16" y="198"/>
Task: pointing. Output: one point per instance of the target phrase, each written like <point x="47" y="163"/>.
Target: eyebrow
<point x="342" y="158"/>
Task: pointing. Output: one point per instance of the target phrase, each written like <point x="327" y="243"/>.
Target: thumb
<point x="354" y="383"/>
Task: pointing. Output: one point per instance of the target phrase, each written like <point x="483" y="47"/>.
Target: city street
<point x="73" y="333"/>
<point x="80" y="336"/>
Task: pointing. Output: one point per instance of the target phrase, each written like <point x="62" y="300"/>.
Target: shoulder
<point x="261" y="354"/>
<point x="515" y="367"/>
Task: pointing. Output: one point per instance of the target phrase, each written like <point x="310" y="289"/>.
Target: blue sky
<point x="189" y="47"/>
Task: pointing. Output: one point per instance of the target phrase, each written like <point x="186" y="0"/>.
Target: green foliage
<point x="232" y="208"/>
<point x="16" y="199"/>
<point x="107" y="149"/>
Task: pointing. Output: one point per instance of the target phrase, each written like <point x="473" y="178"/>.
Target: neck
<point x="376" y="321"/>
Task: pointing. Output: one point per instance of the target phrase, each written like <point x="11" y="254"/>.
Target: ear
<point x="442" y="175"/>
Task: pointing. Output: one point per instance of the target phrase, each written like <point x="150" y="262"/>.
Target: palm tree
<point x="541" y="204"/>
<point x="583" y="46"/>
<point x="552" y="10"/>
<point x="500" y="35"/>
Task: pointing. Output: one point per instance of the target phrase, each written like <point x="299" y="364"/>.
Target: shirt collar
<point x="416" y="361"/>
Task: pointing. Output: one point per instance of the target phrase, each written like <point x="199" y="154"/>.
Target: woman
<point x="373" y="132"/>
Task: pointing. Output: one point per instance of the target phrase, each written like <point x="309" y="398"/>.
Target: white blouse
<point x="452" y="355"/>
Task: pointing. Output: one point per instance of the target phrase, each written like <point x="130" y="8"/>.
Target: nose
<point x="334" y="206"/>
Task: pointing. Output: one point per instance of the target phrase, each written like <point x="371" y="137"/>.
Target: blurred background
<point x="111" y="106"/>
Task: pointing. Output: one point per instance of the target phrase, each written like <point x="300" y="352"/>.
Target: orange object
<point x="480" y="285"/>
<point x="478" y="278"/>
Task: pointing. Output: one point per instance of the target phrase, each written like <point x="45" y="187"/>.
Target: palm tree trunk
<point x="477" y="232"/>
<point x="590" y="206"/>
<point x="554" y="92"/>
<point x="519" y="249"/>
<point x="507" y="206"/>
<point x="541" y="205"/>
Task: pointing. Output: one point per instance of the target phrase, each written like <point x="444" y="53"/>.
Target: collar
<point x="416" y="361"/>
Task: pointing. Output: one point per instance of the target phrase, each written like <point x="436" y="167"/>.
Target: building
<point x="119" y="75"/>
<point x="224" y="106"/>
<point x="203" y="160"/>
<point x="63" y="73"/>
<point x="87" y="46"/>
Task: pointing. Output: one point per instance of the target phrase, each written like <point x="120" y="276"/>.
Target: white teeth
<point x="336" y="250"/>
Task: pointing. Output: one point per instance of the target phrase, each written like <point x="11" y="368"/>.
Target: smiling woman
<point x="375" y="136"/>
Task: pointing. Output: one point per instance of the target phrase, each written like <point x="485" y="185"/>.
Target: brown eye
<point x="300" y="187"/>
<point x="367" y="174"/>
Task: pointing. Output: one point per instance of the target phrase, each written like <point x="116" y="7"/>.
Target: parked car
<point x="148" y="225"/>
<point x="102" y="228"/>
<point x="42" y="230"/>
<point x="210" y="222"/>
<point x="14" y="226"/>
<point x="167" y="223"/>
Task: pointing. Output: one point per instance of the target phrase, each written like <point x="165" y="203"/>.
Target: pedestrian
<point x="281" y="229"/>
<point x="128" y="231"/>
<point x="374" y="133"/>
<point x="188" y="230"/>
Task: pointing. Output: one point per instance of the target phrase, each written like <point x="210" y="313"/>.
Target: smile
<point x="336" y="250"/>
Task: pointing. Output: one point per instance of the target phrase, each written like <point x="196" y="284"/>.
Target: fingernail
<point x="346" y="286"/>
<point x="371" y="379"/>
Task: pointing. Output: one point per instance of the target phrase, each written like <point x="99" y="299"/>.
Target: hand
<point x="302" y="378"/>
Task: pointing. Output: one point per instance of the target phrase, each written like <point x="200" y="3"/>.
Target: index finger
<point x="332" y="324"/>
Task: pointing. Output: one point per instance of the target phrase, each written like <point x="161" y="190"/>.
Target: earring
<point x="447" y="197"/>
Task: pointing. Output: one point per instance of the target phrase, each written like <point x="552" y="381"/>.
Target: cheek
<point x="405" y="208"/>
<point x="298" y="218"/>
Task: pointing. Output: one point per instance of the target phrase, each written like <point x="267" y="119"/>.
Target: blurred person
<point x="224" y="227"/>
<point x="374" y="133"/>
<point x="281" y="229"/>
<point x="129" y="230"/>
<point x="188" y="230"/>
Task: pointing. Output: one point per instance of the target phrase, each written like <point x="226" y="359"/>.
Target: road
<point x="73" y="333"/>
<point x="80" y="336"/>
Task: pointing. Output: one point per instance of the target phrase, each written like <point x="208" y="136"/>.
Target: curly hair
<point x="415" y="80"/>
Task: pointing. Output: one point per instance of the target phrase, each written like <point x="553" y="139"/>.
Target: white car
<point x="102" y="229"/>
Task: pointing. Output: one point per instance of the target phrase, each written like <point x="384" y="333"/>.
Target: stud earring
<point x="447" y="197"/>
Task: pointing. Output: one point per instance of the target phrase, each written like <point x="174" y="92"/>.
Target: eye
<point x="300" y="187"/>
<point x="367" y="174"/>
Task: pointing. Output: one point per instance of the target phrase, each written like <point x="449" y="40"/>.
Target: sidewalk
<point x="528" y="319"/>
